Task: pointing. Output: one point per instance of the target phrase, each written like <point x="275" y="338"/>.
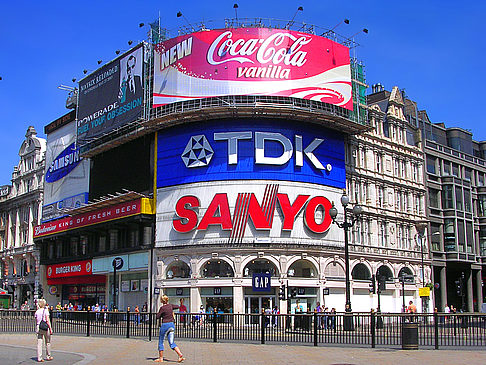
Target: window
<point x="403" y="173"/>
<point x="433" y="198"/>
<point x="398" y="204"/>
<point x="415" y="172"/>
<point x="178" y="269"/>
<point x="400" y="235"/>
<point x="363" y="158"/>
<point x="447" y="199"/>
<point x="406" y="196"/>
<point x="467" y="200"/>
<point x="378" y="162"/>
<point x="417" y="204"/>
<point x="482" y="240"/>
<point x="446" y="168"/>
<point x="396" y="163"/>
<point x="381" y="194"/>
<point x="481" y="205"/>
<point x="461" y="239"/>
<point x="480" y="179"/>
<point x="384" y="234"/>
<point x="459" y="205"/>
<point x="431" y="165"/>
<point x="449" y="234"/>
<point x="455" y="170"/>
<point x="467" y="174"/>
<point x="469" y="237"/>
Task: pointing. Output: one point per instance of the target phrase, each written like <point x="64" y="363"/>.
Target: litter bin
<point x="410" y="336"/>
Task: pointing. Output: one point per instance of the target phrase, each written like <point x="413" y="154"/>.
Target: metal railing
<point x="358" y="329"/>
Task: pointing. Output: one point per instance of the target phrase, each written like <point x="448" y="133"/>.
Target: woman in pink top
<point x="42" y="313"/>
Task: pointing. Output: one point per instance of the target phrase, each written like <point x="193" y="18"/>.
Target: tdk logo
<point x="198" y="152"/>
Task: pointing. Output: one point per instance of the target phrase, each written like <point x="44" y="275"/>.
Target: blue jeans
<point x="167" y="328"/>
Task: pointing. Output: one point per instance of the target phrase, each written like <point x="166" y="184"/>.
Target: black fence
<point x="358" y="329"/>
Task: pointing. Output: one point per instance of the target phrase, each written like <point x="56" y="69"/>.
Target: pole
<point x="150" y="292"/>
<point x="346" y="261"/>
<point x="114" y="287"/>
<point x="403" y="294"/>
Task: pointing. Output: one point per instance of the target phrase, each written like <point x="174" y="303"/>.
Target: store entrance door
<point x="256" y="304"/>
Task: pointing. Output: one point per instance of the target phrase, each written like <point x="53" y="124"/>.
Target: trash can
<point x="410" y="336"/>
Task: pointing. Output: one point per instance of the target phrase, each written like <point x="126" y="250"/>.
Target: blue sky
<point x="435" y="50"/>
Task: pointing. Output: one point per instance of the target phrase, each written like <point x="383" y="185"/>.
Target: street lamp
<point x="346" y="225"/>
<point x="420" y="226"/>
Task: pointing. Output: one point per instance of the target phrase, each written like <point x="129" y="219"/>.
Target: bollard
<point x="128" y="322"/>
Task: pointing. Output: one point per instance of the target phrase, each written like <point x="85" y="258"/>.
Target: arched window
<point x="361" y="272"/>
<point x="217" y="269"/>
<point x="407" y="273"/>
<point x="386" y="272"/>
<point x="302" y="269"/>
<point x="178" y="269"/>
<point x="260" y="266"/>
<point x="334" y="270"/>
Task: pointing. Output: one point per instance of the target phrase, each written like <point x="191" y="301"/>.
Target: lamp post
<point x="346" y="225"/>
<point x="420" y="226"/>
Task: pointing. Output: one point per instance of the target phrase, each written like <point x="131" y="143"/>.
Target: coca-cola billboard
<point x="252" y="61"/>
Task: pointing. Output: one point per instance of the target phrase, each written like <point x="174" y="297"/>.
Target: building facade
<point x="385" y="176"/>
<point x="20" y="211"/>
<point x="455" y="179"/>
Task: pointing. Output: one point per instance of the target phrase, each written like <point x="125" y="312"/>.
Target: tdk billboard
<point x="250" y="150"/>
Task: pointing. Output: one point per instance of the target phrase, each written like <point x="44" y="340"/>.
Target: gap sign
<point x="261" y="283"/>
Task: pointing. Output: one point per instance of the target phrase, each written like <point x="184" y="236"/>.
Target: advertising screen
<point x="66" y="182"/>
<point x="253" y="149"/>
<point x="111" y="97"/>
<point x="252" y="61"/>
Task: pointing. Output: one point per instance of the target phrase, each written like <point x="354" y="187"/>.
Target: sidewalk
<point x="102" y="350"/>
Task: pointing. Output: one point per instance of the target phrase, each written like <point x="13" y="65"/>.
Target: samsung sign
<point x="256" y="149"/>
<point x="63" y="164"/>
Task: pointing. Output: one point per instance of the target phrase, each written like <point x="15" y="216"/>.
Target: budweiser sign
<point x="252" y="61"/>
<point x="98" y="216"/>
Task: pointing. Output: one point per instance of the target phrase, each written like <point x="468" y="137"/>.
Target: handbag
<point x="43" y="324"/>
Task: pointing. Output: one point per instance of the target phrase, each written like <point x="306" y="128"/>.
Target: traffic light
<point x="293" y="292"/>
<point x="458" y="287"/>
<point x="40" y="291"/>
<point x="373" y="284"/>
<point x="381" y="283"/>
<point x="281" y="293"/>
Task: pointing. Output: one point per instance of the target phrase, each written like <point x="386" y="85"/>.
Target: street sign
<point x="424" y="292"/>
<point x="325" y="291"/>
<point x="117" y="263"/>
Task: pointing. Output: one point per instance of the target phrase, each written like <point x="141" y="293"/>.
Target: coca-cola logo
<point x="278" y="48"/>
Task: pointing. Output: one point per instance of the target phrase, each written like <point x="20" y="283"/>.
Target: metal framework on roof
<point x="106" y="201"/>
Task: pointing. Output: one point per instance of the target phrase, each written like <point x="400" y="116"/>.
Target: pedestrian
<point x="137" y="316"/>
<point x="411" y="309"/>
<point x="166" y="312"/>
<point x="182" y="310"/>
<point x="318" y="311"/>
<point x="42" y="314"/>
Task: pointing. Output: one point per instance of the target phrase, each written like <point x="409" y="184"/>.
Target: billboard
<point x="253" y="149"/>
<point x="66" y="182"/>
<point x="258" y="212"/>
<point x="111" y="97"/>
<point x="252" y="61"/>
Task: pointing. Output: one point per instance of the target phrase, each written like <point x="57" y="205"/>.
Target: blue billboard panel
<point x="250" y="149"/>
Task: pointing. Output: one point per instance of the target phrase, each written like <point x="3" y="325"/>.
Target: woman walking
<point x="166" y="312"/>
<point x="41" y="316"/>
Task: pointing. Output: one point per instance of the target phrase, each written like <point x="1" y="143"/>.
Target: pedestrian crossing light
<point x="281" y="293"/>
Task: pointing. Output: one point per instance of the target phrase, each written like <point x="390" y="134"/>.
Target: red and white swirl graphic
<point x="252" y="61"/>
